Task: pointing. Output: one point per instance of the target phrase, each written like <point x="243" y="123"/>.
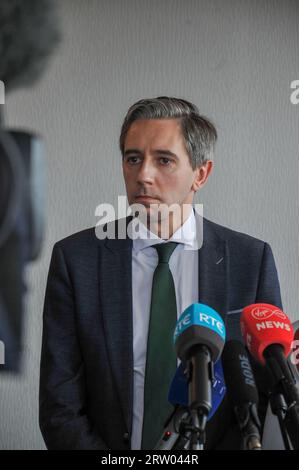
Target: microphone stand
<point x="174" y="436"/>
<point x="200" y="376"/>
<point x="249" y="424"/>
<point x="279" y="408"/>
<point x="183" y="431"/>
<point x="186" y="427"/>
<point x="284" y="385"/>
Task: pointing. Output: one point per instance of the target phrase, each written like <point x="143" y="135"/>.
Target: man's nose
<point x="146" y="173"/>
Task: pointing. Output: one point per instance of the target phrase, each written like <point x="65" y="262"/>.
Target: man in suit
<point x="97" y="356"/>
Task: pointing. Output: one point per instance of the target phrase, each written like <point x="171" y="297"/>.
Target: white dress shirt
<point x="183" y="264"/>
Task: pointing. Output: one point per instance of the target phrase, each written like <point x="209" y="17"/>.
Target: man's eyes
<point x="163" y="160"/>
<point x="132" y="160"/>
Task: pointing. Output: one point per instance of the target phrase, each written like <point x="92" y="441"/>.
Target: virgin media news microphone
<point x="199" y="339"/>
<point x="242" y="393"/>
<point x="268" y="334"/>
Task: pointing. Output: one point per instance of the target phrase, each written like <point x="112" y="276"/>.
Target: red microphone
<point x="295" y="353"/>
<point x="268" y="334"/>
<point x="264" y="325"/>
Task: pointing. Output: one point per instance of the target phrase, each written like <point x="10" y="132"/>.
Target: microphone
<point x="178" y="397"/>
<point x="178" y="391"/>
<point x="242" y="393"/>
<point x="295" y="348"/>
<point x="199" y="339"/>
<point x="268" y="334"/>
<point x="265" y="326"/>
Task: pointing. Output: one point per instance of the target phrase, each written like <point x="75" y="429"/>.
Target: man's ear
<point x="201" y="175"/>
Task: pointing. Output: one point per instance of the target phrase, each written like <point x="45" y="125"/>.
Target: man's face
<point x="156" y="165"/>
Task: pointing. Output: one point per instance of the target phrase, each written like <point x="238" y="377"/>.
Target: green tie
<point x="161" y="358"/>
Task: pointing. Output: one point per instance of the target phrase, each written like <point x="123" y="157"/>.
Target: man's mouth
<point x="146" y="198"/>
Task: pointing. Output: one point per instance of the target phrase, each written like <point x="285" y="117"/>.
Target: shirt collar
<point x="185" y="235"/>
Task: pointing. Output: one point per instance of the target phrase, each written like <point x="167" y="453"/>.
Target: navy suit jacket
<point x="86" y="375"/>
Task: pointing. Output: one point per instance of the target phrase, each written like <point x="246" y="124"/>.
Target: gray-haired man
<point x="102" y="373"/>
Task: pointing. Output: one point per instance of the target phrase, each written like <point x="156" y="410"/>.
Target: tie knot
<point x="165" y="251"/>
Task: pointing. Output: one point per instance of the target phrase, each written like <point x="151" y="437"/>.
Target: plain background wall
<point x="235" y="59"/>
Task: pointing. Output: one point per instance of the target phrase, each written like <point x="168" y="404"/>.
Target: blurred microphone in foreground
<point x="28" y="36"/>
<point x="268" y="334"/>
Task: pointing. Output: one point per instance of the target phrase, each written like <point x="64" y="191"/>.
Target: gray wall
<point x="235" y="59"/>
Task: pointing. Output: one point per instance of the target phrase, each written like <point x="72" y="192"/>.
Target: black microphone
<point x="242" y="392"/>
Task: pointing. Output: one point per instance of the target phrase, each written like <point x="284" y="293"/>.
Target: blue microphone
<point x="172" y="437"/>
<point x="179" y="388"/>
<point x="199" y="339"/>
<point x="198" y="386"/>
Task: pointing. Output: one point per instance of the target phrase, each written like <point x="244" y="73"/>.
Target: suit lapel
<point x="213" y="272"/>
<point x="115" y="281"/>
<point x="213" y="259"/>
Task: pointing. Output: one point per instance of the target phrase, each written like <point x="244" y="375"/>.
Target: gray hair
<point x="199" y="132"/>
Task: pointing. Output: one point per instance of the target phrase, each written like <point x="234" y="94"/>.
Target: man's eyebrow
<point x="129" y="151"/>
<point x="167" y="153"/>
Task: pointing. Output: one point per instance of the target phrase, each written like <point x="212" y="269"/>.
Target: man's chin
<point x="149" y="212"/>
<point x="158" y="212"/>
<point x="145" y="205"/>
